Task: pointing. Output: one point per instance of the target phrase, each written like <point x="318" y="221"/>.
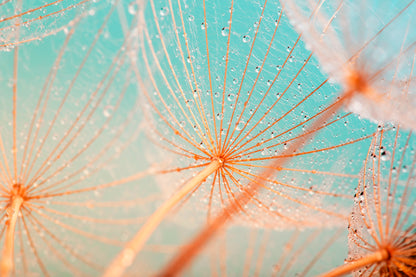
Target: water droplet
<point x="224" y="31"/>
<point x="278" y="67"/>
<point x="191" y="59"/>
<point x="191" y="18"/>
<point x="127" y="257"/>
<point x="164" y="11"/>
<point x="108" y="110"/>
<point x="220" y="116"/>
<point x="132" y="8"/>
<point x="385" y="155"/>
<point x="182" y="123"/>
<point x="246" y="38"/>
<point x="265" y="152"/>
<point x="240" y="125"/>
<point x="203" y="26"/>
<point x="257" y="69"/>
<point x="231" y="97"/>
<point x="269" y="82"/>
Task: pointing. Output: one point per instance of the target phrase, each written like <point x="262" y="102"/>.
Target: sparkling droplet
<point x="246" y="38"/>
<point x="164" y="11"/>
<point x="265" y="152"/>
<point x="191" y="59"/>
<point x="224" y="31"/>
<point x="385" y="156"/>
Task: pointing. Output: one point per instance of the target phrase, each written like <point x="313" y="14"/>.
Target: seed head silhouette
<point x="227" y="94"/>
<point x="61" y="143"/>
<point x="369" y="47"/>
<point x="382" y="238"/>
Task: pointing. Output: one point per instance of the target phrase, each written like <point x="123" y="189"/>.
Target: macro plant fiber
<point x="207" y="137"/>
<point x="191" y="249"/>
<point x="242" y="251"/>
<point x="35" y="20"/>
<point x="382" y="239"/>
<point x="368" y="47"/>
<point x="68" y="116"/>
<point x="231" y="94"/>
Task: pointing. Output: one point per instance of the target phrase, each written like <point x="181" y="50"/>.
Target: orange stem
<point x="133" y="247"/>
<point x="6" y="263"/>
<point x="376" y="257"/>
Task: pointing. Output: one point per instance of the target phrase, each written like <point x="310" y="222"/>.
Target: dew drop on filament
<point x="385" y="155"/>
<point x="246" y="38"/>
<point x="164" y="11"/>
